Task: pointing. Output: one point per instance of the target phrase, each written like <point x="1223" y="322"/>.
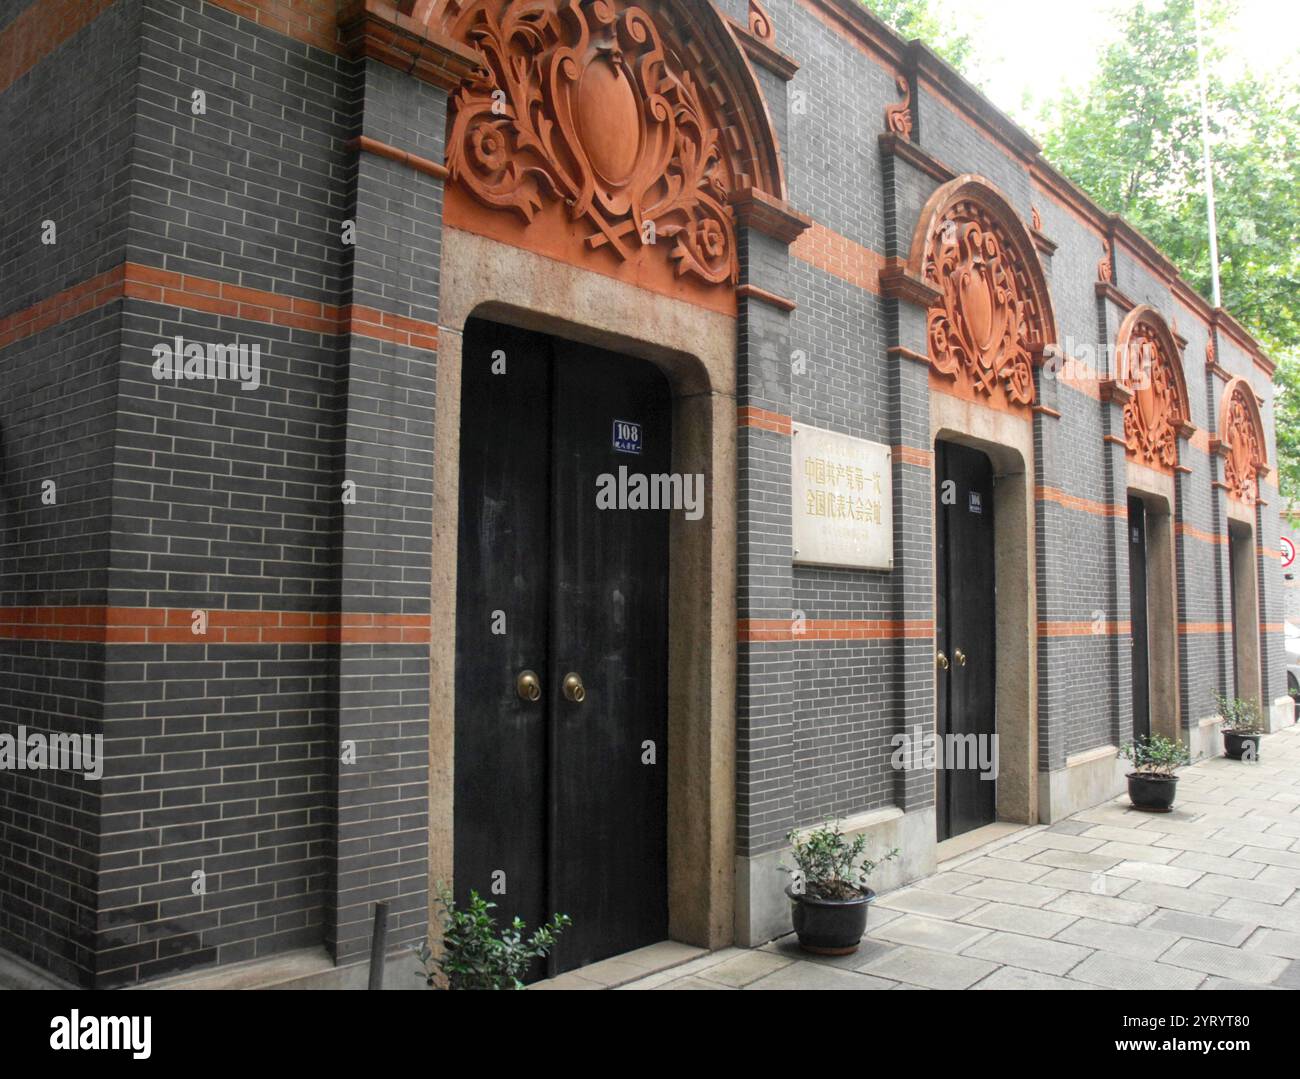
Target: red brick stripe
<point x="134" y="281"/>
<point x="1072" y="502"/>
<point x="1083" y="629"/>
<point x="1201" y="534"/>
<point x="750" y="630"/>
<point x="748" y="416"/>
<point x="165" y="625"/>
<point x="839" y="256"/>
<point x="910" y="455"/>
<point x="1204" y="627"/>
<point x="41" y="29"/>
<point x="310" y="21"/>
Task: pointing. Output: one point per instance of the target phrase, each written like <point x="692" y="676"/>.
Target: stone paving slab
<point x="1120" y="939"/>
<point x="934" y="970"/>
<point x="1205" y="897"/>
<point x="1275" y="942"/>
<point x="929" y="933"/>
<point x="1030" y="953"/>
<point x="1007" y="891"/>
<point x="1025" y="920"/>
<point x="1235" y="963"/>
<point x="1200" y="927"/>
<point x="1106" y="908"/>
<point x="813" y="976"/>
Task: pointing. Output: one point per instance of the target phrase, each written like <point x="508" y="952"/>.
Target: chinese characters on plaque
<point x="843" y="500"/>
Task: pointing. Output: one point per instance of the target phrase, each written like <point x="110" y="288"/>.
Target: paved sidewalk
<point x="1205" y="897"/>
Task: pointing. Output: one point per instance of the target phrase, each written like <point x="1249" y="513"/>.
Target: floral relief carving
<point x="1241" y="436"/>
<point x="1156" y="411"/>
<point x="898" y="118"/>
<point x="760" y="23"/>
<point x="987" y="328"/>
<point x="1105" y="267"/>
<point x="585" y="103"/>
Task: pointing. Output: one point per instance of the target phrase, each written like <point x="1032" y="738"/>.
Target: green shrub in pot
<point x="828" y="888"/>
<point x="1155" y="759"/>
<point x="1242" y="727"/>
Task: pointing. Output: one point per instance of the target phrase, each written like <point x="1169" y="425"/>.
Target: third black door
<point x="560" y="801"/>
<point x="965" y="629"/>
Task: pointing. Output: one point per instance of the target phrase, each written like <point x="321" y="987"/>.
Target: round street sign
<point x="1288" y="552"/>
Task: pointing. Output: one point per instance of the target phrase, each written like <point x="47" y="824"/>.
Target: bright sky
<point x="1067" y="36"/>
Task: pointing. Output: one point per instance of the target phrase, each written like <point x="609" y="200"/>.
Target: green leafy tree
<point x="921" y="18"/>
<point x="1132" y="140"/>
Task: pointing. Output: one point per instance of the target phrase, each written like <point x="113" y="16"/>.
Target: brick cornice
<point x="896" y="145"/>
<point x="753" y="292"/>
<point x="765" y="213"/>
<point x="763" y="53"/>
<point x="898" y="283"/>
<point x="376" y="30"/>
<point x="365" y="144"/>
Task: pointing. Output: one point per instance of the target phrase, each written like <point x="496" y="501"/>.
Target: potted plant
<point x="1242" y="727"/>
<point x="1152" y="783"/>
<point x="475" y="956"/>
<point x="828" y="889"/>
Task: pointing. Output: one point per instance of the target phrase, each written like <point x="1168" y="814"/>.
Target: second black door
<point x="560" y="801"/>
<point x="965" y="630"/>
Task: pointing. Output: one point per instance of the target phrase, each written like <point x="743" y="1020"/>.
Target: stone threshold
<point x="990" y="835"/>
<point x="628" y="967"/>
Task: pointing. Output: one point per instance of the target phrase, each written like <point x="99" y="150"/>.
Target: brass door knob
<point x="573" y="688"/>
<point x="529" y="686"/>
<point x="960" y="657"/>
<point x="941" y="661"/>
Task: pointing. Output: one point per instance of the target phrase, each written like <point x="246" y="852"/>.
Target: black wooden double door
<point x="1137" y="581"/>
<point x="965" y="630"/>
<point x="560" y="801"/>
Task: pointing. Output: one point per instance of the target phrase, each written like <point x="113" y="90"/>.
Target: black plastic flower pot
<point x="1241" y="747"/>
<point x="829" y="926"/>
<point x="1153" y="793"/>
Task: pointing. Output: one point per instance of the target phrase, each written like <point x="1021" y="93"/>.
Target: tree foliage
<point x="920" y="18"/>
<point x="1132" y="140"/>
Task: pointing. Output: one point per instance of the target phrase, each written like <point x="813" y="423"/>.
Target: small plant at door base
<point x="1240" y="717"/>
<point x="1152" y="784"/>
<point x="1155" y="757"/>
<point x="828" y="890"/>
<point x="828" y="866"/>
<point x="1242" y="727"/>
<point x="475" y="955"/>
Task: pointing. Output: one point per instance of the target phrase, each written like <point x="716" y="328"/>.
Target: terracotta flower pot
<point x="830" y="926"/>
<point x="1151" y="792"/>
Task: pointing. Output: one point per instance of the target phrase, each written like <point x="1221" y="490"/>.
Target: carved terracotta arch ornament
<point x="1241" y="442"/>
<point x="1149" y="380"/>
<point x="608" y="130"/>
<point x="993" y="317"/>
